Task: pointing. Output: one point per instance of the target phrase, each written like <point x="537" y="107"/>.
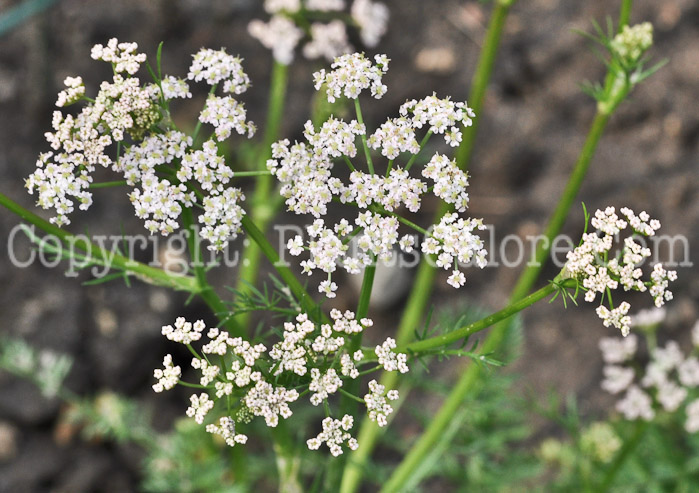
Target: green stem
<point x="206" y="291"/>
<point x="107" y="184"/>
<point x="451" y="405"/>
<point x="146" y="273"/>
<point x="241" y="174"/>
<point x="418" y="299"/>
<point x="407" y="222"/>
<point x="287" y="459"/>
<point x="527" y="279"/>
<point x="262" y="209"/>
<point x="364" y="298"/>
<point x="481" y="79"/>
<point x="348" y="406"/>
<point x="299" y="292"/>
<point x="445" y="340"/>
<point x="423" y="142"/>
<point x="625" y="14"/>
<point x="496" y="336"/>
<point x="629" y="446"/>
<point x="367" y="154"/>
<point x="197" y="127"/>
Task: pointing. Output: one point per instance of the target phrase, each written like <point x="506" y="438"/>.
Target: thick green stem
<point x="422" y="287"/>
<point x="108" y="184"/>
<point x="349" y="405"/>
<point x="625" y="14"/>
<point x="262" y="172"/>
<point x="288" y="462"/>
<point x="262" y="209"/>
<point x="146" y="273"/>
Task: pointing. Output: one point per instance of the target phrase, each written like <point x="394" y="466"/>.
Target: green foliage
<point x="188" y="461"/>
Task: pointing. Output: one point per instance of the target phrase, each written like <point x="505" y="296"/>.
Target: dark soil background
<point x="532" y="127"/>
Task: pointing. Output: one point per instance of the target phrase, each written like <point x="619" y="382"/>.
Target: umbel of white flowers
<point x="599" y="272"/>
<point x="248" y="385"/>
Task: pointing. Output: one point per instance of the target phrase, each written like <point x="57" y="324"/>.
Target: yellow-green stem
<point x="146" y="273"/>
<point x="367" y="153"/>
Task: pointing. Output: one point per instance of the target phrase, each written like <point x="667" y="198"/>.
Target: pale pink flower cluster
<point x="590" y="264"/>
<point x="664" y="384"/>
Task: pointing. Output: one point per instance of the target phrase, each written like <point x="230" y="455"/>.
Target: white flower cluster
<point x="394" y="136"/>
<point x="443" y="116"/>
<point x="216" y="66"/>
<point x="122" y="56"/>
<point x="311" y="355"/>
<point x="390" y="360"/>
<point x="226" y="428"/>
<point x="334" y="435"/>
<point x="184" y="332"/>
<point x="226" y="114"/>
<point x="305" y="171"/>
<point x="632" y="42"/>
<point x="199" y="407"/>
<point x="280" y="35"/>
<point x="589" y="263"/>
<point x="453" y="242"/>
<point x="321" y="23"/>
<point x="377" y="402"/>
<point x="167" y="377"/>
<point x="270" y="402"/>
<point x="160" y="204"/>
<point x="450" y="181"/>
<point x="372" y="18"/>
<point x="74" y="91"/>
<point x="351" y="74"/>
<point x="666" y="382"/>
<point x="327" y="41"/>
<point x="323" y="385"/>
<point x="173" y="88"/>
<point x="124" y="106"/>
<point x="80" y="142"/>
